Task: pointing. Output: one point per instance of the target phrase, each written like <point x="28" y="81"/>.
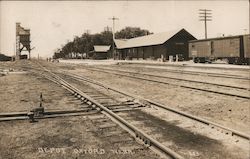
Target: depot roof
<point x="148" y="40"/>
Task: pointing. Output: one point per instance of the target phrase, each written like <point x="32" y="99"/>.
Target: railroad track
<point x="93" y="98"/>
<point x="179" y="79"/>
<point x="153" y="78"/>
<point x="153" y="103"/>
<point x="212" y="125"/>
<point x="221" y="75"/>
<point x="182" y="66"/>
<point x="103" y="128"/>
<point x="158" y="105"/>
<point x="107" y="105"/>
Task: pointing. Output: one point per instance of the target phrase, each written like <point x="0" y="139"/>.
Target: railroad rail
<point x="12" y="116"/>
<point x="143" y="137"/>
<point x="196" y="118"/>
<point x="179" y="79"/>
<point x="205" y="67"/>
<point x="134" y="131"/>
<point x="135" y="76"/>
<point x="164" y="107"/>
<point x="221" y="75"/>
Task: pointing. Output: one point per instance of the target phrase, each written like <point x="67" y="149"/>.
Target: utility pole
<point x="205" y="15"/>
<point x="113" y="31"/>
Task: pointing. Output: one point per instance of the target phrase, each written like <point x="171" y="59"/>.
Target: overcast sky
<point x="53" y="23"/>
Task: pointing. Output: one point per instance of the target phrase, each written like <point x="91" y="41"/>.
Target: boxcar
<point x="246" y="41"/>
<point x="234" y="48"/>
<point x="200" y="50"/>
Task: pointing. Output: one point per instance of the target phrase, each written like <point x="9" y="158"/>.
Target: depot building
<point x="155" y="46"/>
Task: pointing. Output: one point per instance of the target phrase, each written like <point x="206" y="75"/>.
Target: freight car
<point x="235" y="49"/>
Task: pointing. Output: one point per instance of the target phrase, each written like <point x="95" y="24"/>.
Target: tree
<point x="107" y="37"/>
<point x="131" y="32"/>
<point x="85" y="43"/>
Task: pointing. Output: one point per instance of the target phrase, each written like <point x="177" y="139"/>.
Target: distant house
<point x="154" y="46"/>
<point x="100" y="52"/>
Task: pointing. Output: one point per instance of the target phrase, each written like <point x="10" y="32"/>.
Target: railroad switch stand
<point x="37" y="112"/>
<point x="31" y="116"/>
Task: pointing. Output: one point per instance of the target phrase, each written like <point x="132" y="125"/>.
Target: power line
<point x="113" y="19"/>
<point x="205" y="15"/>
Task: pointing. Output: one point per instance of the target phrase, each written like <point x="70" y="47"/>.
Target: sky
<point x="53" y="23"/>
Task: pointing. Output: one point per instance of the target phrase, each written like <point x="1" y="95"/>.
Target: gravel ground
<point x="21" y="92"/>
<point x="193" y="140"/>
<point x="229" y="111"/>
<point x="203" y="78"/>
<point x="33" y="140"/>
<point x="155" y="63"/>
<point x="93" y="136"/>
<point x="218" y="88"/>
<point x="69" y="137"/>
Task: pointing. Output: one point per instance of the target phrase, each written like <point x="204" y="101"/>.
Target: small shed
<point x="100" y="52"/>
<point x="155" y="46"/>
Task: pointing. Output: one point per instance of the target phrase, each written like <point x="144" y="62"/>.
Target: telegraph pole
<point x="113" y="31"/>
<point x="205" y="15"/>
